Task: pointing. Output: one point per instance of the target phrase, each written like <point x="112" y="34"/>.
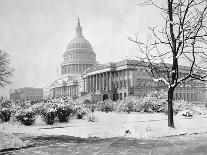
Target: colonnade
<point x="187" y="96"/>
<point x="104" y="80"/>
<point x="71" y="91"/>
<point x="74" y="68"/>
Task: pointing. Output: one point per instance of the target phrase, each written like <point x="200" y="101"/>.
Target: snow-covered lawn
<point x="114" y="124"/>
<point x="8" y="141"/>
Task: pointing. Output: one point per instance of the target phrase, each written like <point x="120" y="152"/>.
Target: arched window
<point x="124" y="94"/>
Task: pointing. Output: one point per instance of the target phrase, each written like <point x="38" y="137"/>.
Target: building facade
<point x="130" y="77"/>
<point x="81" y="74"/>
<point x="78" y="57"/>
<point x="26" y="94"/>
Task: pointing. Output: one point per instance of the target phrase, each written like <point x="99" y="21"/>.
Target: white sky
<point x="35" y="33"/>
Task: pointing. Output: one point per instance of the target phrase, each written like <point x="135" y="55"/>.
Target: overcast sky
<point x="35" y="33"/>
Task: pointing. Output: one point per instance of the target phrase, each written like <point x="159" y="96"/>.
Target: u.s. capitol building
<point x="82" y="75"/>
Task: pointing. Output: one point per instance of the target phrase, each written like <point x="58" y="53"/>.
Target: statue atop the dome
<point x="79" y="28"/>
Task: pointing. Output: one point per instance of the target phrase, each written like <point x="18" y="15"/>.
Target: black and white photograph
<point x="103" y="77"/>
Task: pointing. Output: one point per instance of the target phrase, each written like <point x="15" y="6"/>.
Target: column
<point x="103" y="78"/>
<point x="100" y="83"/>
<point x="76" y="68"/>
<point x="92" y="82"/>
<point x="77" y="90"/>
<point x="84" y="85"/>
<point x="96" y="82"/>
<point x="107" y="81"/>
<point x="68" y="68"/>
<point x="72" y="90"/>
<point x="87" y="90"/>
<point x="89" y="83"/>
<point x="131" y="78"/>
<point x="118" y="79"/>
<point x="127" y="79"/>
<point x="110" y="81"/>
<point x="90" y="87"/>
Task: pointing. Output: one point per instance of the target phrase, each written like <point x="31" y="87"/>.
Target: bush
<point x="5" y="115"/>
<point x="154" y="102"/>
<point x="63" y="114"/>
<point x="180" y="105"/>
<point x="48" y="112"/>
<point x="6" y="104"/>
<point x="49" y="117"/>
<point x="92" y="118"/>
<point x="26" y="117"/>
<point x="126" y="105"/>
<point x="106" y="105"/>
<point x="90" y="105"/>
<point x="63" y="111"/>
<point x="80" y="111"/>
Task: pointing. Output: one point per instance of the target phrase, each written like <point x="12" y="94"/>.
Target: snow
<point x="114" y="125"/>
<point x="162" y="79"/>
<point x="8" y="141"/>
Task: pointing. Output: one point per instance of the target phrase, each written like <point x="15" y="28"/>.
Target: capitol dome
<point x="79" y="55"/>
<point x="79" y="42"/>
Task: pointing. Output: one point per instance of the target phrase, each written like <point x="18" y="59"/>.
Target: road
<point x="60" y="145"/>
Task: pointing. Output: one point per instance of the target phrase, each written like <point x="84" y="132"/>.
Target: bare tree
<point x="5" y="70"/>
<point x="182" y="38"/>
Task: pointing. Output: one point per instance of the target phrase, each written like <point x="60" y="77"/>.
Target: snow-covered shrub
<point x="125" y="105"/>
<point x="49" y="117"/>
<point x="106" y="105"/>
<point x="154" y="102"/>
<point x="63" y="111"/>
<point x="48" y="113"/>
<point x="90" y="105"/>
<point x="5" y="114"/>
<point x="180" y="105"/>
<point x="87" y="102"/>
<point x="6" y="104"/>
<point x="92" y="118"/>
<point x="79" y="110"/>
<point x="25" y="116"/>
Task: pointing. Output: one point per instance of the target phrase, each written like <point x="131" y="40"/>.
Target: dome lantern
<point x="79" y="28"/>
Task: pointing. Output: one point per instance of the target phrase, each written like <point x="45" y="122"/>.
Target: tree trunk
<point x="170" y="108"/>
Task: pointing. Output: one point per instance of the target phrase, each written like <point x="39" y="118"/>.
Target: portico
<point x="108" y="81"/>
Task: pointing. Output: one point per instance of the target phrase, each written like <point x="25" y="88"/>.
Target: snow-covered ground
<point x="114" y="125"/>
<point x="8" y="141"/>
